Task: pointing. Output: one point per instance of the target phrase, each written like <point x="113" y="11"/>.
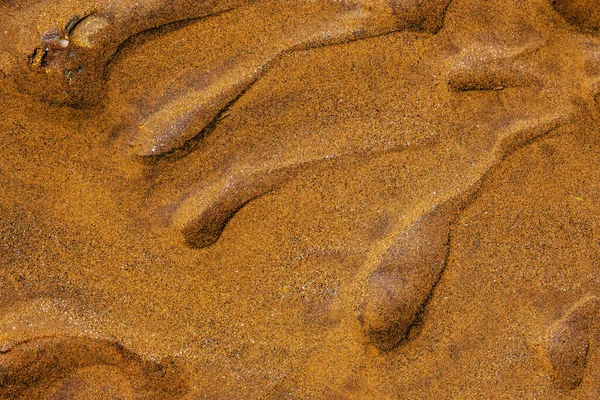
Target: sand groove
<point x="60" y="367"/>
<point x="569" y="343"/>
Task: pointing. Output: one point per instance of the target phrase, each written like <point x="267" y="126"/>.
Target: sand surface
<point x="239" y="263"/>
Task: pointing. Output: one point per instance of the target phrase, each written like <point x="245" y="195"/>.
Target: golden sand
<point x="299" y="200"/>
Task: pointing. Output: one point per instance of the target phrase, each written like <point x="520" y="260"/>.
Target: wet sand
<point x="332" y="154"/>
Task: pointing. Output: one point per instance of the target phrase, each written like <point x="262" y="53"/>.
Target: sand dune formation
<point x="207" y="108"/>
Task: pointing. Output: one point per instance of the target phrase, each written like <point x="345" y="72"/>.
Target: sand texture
<point x="308" y="199"/>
